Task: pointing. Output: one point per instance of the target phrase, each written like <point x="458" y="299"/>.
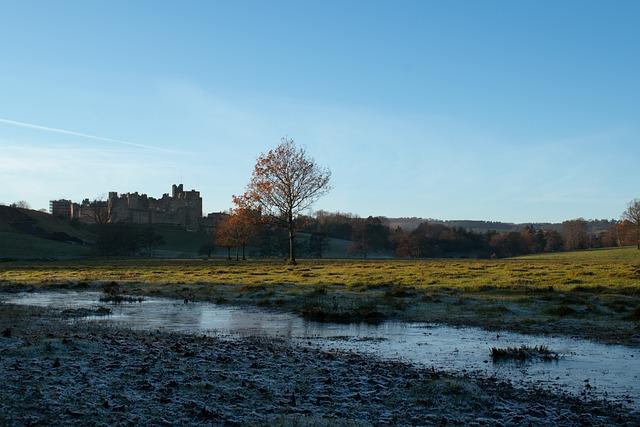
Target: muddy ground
<point x="58" y="370"/>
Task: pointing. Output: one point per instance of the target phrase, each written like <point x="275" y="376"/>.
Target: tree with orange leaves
<point x="245" y="220"/>
<point x="238" y="228"/>
<point x="632" y="214"/>
<point x="224" y="235"/>
<point x="286" y="182"/>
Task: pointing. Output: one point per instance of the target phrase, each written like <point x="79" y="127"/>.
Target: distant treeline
<point x="246" y="234"/>
<point x="372" y="236"/>
<point x="411" y="223"/>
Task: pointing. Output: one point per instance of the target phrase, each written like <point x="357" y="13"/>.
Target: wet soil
<point x="61" y="372"/>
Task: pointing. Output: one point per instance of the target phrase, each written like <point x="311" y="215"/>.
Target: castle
<point x="181" y="208"/>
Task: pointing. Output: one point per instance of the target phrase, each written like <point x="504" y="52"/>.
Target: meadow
<point x="593" y="294"/>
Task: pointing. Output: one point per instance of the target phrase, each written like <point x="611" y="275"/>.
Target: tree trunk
<point x="243" y="257"/>
<point x="229" y="253"/>
<point x="638" y="236"/>
<point x="237" y="253"/>
<point x="292" y="240"/>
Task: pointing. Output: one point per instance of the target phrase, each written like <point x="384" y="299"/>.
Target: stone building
<point x="181" y="208"/>
<point x="91" y="211"/>
<point x="211" y="221"/>
<point x="61" y="208"/>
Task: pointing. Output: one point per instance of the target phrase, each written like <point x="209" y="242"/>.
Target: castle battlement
<point x="183" y="208"/>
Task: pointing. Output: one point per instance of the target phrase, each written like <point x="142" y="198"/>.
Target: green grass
<point x="16" y="243"/>
<point x="614" y="269"/>
<point x="593" y="294"/>
<point x="42" y="220"/>
<point x="629" y="253"/>
<point x="20" y="245"/>
<point x="180" y="243"/>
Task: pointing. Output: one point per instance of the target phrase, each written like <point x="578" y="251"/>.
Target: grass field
<point x="20" y="245"/>
<point x="592" y="294"/>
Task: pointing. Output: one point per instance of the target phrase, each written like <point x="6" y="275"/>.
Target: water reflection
<point x="584" y="368"/>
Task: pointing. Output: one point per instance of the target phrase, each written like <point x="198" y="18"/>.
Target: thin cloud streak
<point x="85" y="135"/>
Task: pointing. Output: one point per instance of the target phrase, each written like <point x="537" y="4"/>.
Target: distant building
<point x="210" y="222"/>
<point x="181" y="208"/>
<point x="91" y="212"/>
<point x="61" y="208"/>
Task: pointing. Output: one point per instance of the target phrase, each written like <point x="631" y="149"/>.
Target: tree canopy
<point x="286" y="182"/>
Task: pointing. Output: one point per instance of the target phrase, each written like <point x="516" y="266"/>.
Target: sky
<point x="524" y="111"/>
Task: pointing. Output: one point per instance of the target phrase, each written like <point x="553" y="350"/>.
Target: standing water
<point x="585" y="367"/>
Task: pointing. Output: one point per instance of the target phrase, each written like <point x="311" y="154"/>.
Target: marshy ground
<point x="57" y="371"/>
<point x="590" y="294"/>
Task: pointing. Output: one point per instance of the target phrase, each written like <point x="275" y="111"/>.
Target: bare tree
<point x="21" y="204"/>
<point x="286" y="182"/>
<point x="632" y="214"/>
<point x="96" y="211"/>
<point x="575" y="234"/>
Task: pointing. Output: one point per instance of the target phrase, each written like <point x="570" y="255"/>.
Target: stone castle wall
<point x="182" y="208"/>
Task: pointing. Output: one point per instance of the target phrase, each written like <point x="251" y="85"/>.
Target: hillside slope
<point x="26" y="233"/>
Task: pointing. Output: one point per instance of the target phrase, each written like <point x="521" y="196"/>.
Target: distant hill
<point x="408" y="224"/>
<point x="479" y="226"/>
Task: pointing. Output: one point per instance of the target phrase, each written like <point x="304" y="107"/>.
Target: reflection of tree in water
<point x="228" y="320"/>
<point x="165" y="315"/>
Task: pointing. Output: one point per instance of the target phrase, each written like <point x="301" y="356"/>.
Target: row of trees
<point x="285" y="183"/>
<point x="371" y="236"/>
<point x="632" y="217"/>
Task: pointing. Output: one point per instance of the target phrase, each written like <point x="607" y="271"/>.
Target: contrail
<point x="84" y="135"/>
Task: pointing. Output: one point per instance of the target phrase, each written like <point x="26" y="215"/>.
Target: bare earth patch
<point x="60" y="372"/>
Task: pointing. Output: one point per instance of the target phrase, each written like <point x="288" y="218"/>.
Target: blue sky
<point x="516" y="111"/>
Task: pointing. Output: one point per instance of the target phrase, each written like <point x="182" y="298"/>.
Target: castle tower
<point x="177" y="191"/>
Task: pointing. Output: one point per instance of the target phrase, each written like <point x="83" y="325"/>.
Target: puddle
<point x="585" y="367"/>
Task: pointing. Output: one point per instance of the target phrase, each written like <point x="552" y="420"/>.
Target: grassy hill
<point x="26" y="233"/>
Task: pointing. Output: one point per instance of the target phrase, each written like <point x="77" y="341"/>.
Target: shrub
<point x="523" y="353"/>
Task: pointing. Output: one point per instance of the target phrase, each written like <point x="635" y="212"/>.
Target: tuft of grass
<point x="103" y="311"/>
<point x="634" y="315"/>
<point x="562" y="311"/>
<point x="342" y="310"/>
<point x="496" y="310"/>
<point x="523" y="353"/>
<point x="111" y="288"/>
<point x="400" y="292"/>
